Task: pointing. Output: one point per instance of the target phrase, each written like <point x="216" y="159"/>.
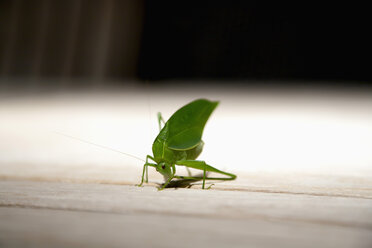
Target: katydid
<point x="179" y="143"/>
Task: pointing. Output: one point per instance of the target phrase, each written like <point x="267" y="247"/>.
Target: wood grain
<point x="303" y="163"/>
<point x="94" y="215"/>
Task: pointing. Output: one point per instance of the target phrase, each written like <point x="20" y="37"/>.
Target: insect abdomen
<point x="195" y="152"/>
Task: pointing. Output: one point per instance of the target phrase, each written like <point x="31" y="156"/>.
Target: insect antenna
<point x="101" y="146"/>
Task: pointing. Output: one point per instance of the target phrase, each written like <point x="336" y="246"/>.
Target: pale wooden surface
<point x="303" y="162"/>
<point x="48" y="214"/>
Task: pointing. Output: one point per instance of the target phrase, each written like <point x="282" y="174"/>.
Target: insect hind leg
<point x="201" y="165"/>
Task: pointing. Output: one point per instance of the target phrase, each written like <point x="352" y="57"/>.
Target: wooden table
<point x="58" y="192"/>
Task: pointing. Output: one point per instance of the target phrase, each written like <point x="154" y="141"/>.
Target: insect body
<point x="179" y="143"/>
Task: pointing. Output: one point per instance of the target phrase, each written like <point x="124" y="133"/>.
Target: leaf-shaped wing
<point x="186" y="125"/>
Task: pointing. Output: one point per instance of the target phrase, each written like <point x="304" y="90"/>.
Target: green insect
<point x="179" y="143"/>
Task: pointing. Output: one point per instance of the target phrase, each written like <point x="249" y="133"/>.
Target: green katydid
<point x="179" y="143"/>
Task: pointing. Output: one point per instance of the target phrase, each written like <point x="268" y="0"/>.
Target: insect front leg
<point x="170" y="177"/>
<point x="145" y="169"/>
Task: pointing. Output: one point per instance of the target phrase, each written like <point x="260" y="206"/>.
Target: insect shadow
<point x="183" y="182"/>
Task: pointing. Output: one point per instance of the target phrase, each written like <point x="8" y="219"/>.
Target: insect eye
<point x="163" y="167"/>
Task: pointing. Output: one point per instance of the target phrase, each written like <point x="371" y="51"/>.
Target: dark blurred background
<point x="113" y="41"/>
